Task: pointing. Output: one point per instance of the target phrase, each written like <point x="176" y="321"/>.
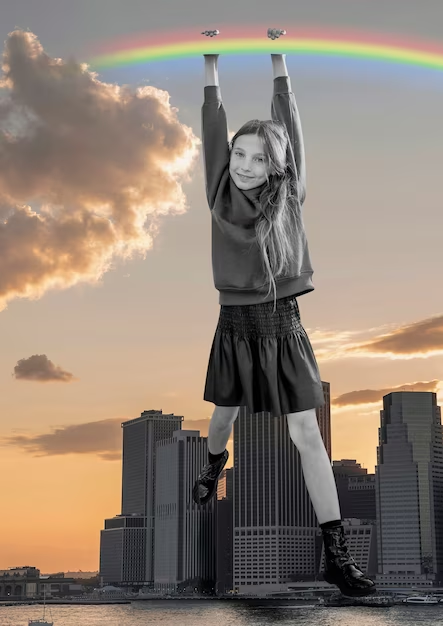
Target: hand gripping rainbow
<point x="252" y="40"/>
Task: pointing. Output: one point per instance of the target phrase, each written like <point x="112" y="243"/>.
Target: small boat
<point x="41" y="622"/>
<point x="428" y="599"/>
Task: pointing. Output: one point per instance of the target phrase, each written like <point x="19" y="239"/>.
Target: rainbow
<point x="253" y="40"/>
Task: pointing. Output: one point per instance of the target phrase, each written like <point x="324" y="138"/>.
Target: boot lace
<point x="343" y="555"/>
<point x="211" y="470"/>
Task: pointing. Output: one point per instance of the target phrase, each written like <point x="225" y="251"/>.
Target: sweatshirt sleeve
<point x="215" y="141"/>
<point x="284" y="109"/>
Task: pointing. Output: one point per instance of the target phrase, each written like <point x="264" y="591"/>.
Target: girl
<point x="261" y="356"/>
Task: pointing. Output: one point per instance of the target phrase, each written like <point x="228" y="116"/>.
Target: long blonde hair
<point x="280" y="224"/>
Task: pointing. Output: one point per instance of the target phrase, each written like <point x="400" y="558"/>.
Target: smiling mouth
<point x="244" y="177"/>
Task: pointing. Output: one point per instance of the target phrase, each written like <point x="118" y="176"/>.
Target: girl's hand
<point x="211" y="33"/>
<point x="275" y="33"/>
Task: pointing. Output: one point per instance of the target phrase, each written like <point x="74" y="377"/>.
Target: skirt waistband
<point x="260" y="320"/>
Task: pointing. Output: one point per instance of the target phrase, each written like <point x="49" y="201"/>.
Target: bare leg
<point x="220" y="427"/>
<point x="317" y="469"/>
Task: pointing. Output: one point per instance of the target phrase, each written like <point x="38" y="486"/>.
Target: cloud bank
<point x="421" y="339"/>
<point x="86" y="170"/>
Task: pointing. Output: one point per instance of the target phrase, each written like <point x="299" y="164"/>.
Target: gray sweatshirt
<point x="236" y="257"/>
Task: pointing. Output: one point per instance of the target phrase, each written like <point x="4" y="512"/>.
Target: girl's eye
<point x="240" y="154"/>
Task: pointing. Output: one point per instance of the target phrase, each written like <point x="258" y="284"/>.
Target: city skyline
<point x="261" y="528"/>
<point x="90" y="338"/>
<point x="163" y="541"/>
<point x="154" y="431"/>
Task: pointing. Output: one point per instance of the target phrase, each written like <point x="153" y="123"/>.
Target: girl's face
<point x="248" y="164"/>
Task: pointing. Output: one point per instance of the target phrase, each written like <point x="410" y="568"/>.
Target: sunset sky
<point x="107" y="302"/>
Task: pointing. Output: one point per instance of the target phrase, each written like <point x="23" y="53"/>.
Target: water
<point x="190" y="613"/>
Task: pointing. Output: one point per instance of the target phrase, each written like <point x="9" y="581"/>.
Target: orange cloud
<point x="39" y="368"/>
<point x="103" y="438"/>
<point x="424" y="338"/>
<point x="368" y="396"/>
<point x="86" y="170"/>
<point x="421" y="339"/>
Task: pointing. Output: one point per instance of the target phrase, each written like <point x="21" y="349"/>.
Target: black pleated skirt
<point x="263" y="360"/>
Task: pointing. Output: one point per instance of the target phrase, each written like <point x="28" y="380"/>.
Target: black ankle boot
<point x="340" y="568"/>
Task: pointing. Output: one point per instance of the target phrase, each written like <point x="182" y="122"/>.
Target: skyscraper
<point x="324" y="418"/>
<point x="185" y="532"/>
<point x="409" y="485"/>
<point x="356" y="489"/>
<point x="274" y="520"/>
<point x="225" y="532"/>
<point x="123" y="551"/>
<point x="120" y="538"/>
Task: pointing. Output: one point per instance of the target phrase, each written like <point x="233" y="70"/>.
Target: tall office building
<point x="356" y="489"/>
<point x="324" y="418"/>
<point x="225" y="532"/>
<point x="140" y="438"/>
<point x="123" y="551"/>
<point x="409" y="486"/>
<point x="360" y="502"/>
<point x="185" y="535"/>
<point x="225" y="487"/>
<point x="347" y="467"/>
<point x="274" y="521"/>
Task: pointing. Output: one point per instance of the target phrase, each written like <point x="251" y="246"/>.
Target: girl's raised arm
<point x="284" y="109"/>
<point x="211" y="70"/>
<point x="214" y="130"/>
